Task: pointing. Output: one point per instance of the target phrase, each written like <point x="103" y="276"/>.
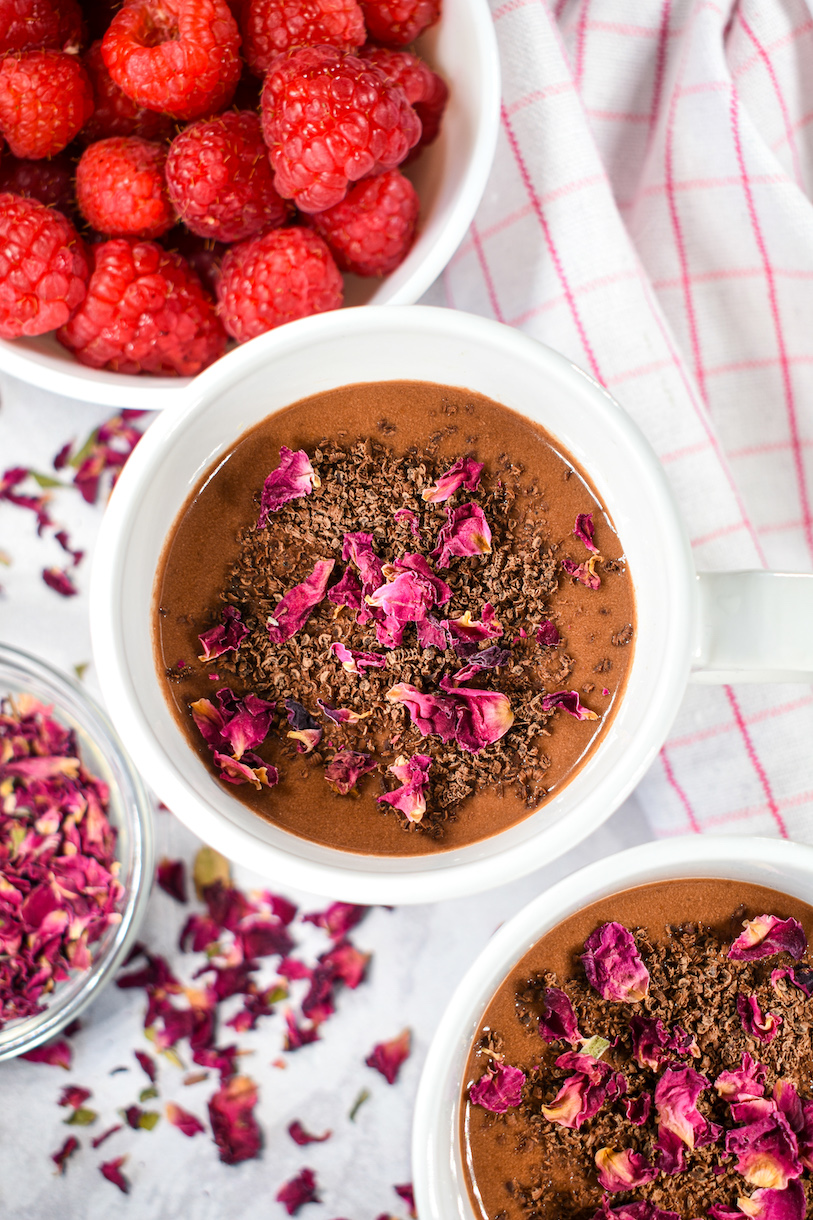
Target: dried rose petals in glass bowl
<point x="76" y="851"/>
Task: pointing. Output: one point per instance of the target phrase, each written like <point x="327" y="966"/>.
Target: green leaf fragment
<point x="595" y="1046"/>
<point x="81" y="1118"/>
<point x="363" y="1096"/>
<point x="81" y="669"/>
<point x="46" y="480"/>
<point x="208" y="868"/>
<point x="149" y="1119"/>
<point x="148" y="1094"/>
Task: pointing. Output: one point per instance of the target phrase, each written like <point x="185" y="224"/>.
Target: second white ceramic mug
<point x="708" y="625"/>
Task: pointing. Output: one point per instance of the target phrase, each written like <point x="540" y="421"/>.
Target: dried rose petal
<point x="676" y="1095"/>
<point x="410" y="798"/>
<point x="467" y="632"/>
<point x="302" y="1137"/>
<point x="670" y="1152"/>
<point x="431" y="714"/>
<point x="239" y="723"/>
<point x="171" y="878"/>
<point x="251" y="769"/>
<point x="432" y="634"/>
<point x="583" y="573"/>
<point x="583" y="1094"/>
<point x="59" y="580"/>
<point x="227" y="636"/>
<point x="548" y="634"/>
<point x="788" y="1204"/>
<point x="570" y="702"/>
<point x="584" y="531"/>
<point x="624" y="1170"/>
<point x="305" y="731"/>
<point x="488" y="658"/>
<point x="357" y="548"/>
<point x="293" y="477"/>
<point x="744" y="1083"/>
<point x="410" y="517"/>
<point x="187" y="1123"/>
<point x="407" y="1194"/>
<point x="499" y="1088"/>
<point x="763" y="1026"/>
<point x="800" y="977"/>
<point x="464" y="473"/>
<point x="148" y="1064"/>
<point x="613" y="965"/>
<point x="293" y="609"/>
<point x="482" y="716"/>
<point x="347" y="591"/>
<point x="353" y="660"/>
<point x="558" y="1019"/>
<point x="339" y="918"/>
<point x="57" y="1054"/>
<point x="643" y="1210"/>
<point x="420" y="566"/>
<point x="767" y="935"/>
<point x="465" y="533"/>
<point x="346" y="963"/>
<point x="112" y="1171"/>
<point x="73" y="1095"/>
<point x="296" y="1035"/>
<point x="298" y="1191"/>
<point x="387" y="1057"/>
<point x="105" y="1135"/>
<point x="638" y="1109"/>
<point x="342" y="715"/>
<point x="650" y="1041"/>
<point x="140" y="1119"/>
<point x="767" y="1151"/>
<point x="234" y="1127"/>
<point x="346" y="768"/>
<point x="60" y="1158"/>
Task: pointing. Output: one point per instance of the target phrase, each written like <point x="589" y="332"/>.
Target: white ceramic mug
<point x="437" y="1154"/>
<point x="683" y="621"/>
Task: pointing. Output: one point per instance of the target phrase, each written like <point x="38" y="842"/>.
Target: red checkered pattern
<point x="648" y="215"/>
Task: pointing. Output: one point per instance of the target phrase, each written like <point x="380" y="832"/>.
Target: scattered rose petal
<point x="643" y="1210"/>
<point x="488" y="658"/>
<point x="676" y="1095"/>
<point x="767" y="1151"/>
<point x="227" y="636"/>
<point x="558" y="1019"/>
<point x="187" y="1123"/>
<point x="638" y="1109"/>
<point x="410" y="798"/>
<point x="238" y="723"/>
<point x="464" y="473"/>
<point x="112" y="1171"/>
<point x="767" y="935"/>
<point x="57" y="1054"/>
<point x="467" y="632"/>
<point x="744" y="1083"/>
<point x="342" y="715"/>
<point x="798" y="976"/>
<point x="583" y="573"/>
<point x="570" y="702"/>
<point x="763" y="1026"/>
<point x="294" y="477"/>
<point x="305" y="731"/>
<point x="498" y="1089"/>
<point x="59" y="580"/>
<point x="583" y="1094"/>
<point x="339" y="918"/>
<point x="613" y="965"/>
<point x="407" y="1193"/>
<point x="482" y="716"/>
<point x="293" y="610"/>
<point x="347" y="591"/>
<point x="302" y="1137"/>
<point x="432" y="634"/>
<point x="357" y="548"/>
<point x="409" y="517"/>
<point x="251" y="769"/>
<point x="354" y="661"/>
<point x="387" y="1057"/>
<point x="73" y="1095"/>
<point x="171" y="877"/>
<point x="788" y="1204"/>
<point x="465" y="533"/>
<point x="67" y="1150"/>
<point x="624" y="1170"/>
<point x="431" y="714"/>
<point x="234" y="1127"/>
<point x="298" y="1191"/>
<point x="650" y="1041"/>
<point x="670" y="1152"/>
<point x="99" y="1140"/>
<point x="584" y="531"/>
<point x="547" y="634"/>
<point x="346" y="768"/>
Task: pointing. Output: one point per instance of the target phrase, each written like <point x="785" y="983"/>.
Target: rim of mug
<point x="331" y="872"/>
<point x="437" y="1155"/>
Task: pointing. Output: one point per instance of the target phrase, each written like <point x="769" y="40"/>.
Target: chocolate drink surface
<point x="675" y="1083"/>
<point x="466" y="636"/>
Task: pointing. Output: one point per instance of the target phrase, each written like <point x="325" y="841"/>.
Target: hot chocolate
<point x="394" y="618"/>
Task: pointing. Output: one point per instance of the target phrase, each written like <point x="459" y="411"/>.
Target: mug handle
<point x="754" y="626"/>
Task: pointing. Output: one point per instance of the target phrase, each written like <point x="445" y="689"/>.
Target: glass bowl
<point x="129" y="811"/>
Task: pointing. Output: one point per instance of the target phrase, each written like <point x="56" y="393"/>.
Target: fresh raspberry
<point x="283" y="275"/>
<point x="272" y="27"/>
<point x="45" y="97"/>
<point x="29" y="25"/>
<point x="399" y="22"/>
<point x="371" y="230"/>
<point x="219" y="178"/>
<point x="50" y="181"/>
<point x="178" y="56"/>
<point x="145" y="312"/>
<point x="330" y="119"/>
<point x="43" y="267"/>
<point x="425" y="91"/>
<point x="121" y="189"/>
<point x="116" y="114"/>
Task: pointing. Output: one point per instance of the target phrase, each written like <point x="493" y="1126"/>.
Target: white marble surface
<point x="419" y="954"/>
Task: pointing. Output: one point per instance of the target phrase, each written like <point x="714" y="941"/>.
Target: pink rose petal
<point x="498" y="1089"/>
<point x="643" y="1210"/>
<point x="744" y="1083"/>
<point x="584" y="531"/>
<point x="112" y="1171"/>
<point x="547" y="634"/>
<point x="302" y="1137"/>
<point x="800" y="977"/>
<point x="409" y="517"/>
<point x="583" y="1094"/>
<point x="464" y="473"/>
<point x="767" y="935"/>
<point x="466" y="533"/>
<point x="387" y="1057"/>
<point x="227" y="636"/>
<point x="613" y="965"/>
<point x="339" y="918"/>
<point x="67" y="1150"/>
<point x="293" y="477"/>
<point x="186" y="1123"/>
<point x="638" y="1109"/>
<point x="569" y="701"/>
<point x="354" y="661"/>
<point x="171" y="878"/>
<point x="676" y="1095"/>
<point x="624" y="1170"/>
<point x="410" y="798"/>
<point x="346" y="768"/>
<point x="767" y="1151"/>
<point x="298" y="1191"/>
<point x="305" y="731"/>
<point x="293" y="610"/>
<point x="759" y="1025"/>
<point x="558" y="1018"/>
<point x="234" y="1127"/>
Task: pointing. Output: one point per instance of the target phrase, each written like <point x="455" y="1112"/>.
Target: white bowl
<point x="450" y="178"/>
<point x="331" y="350"/>
<point x="437" y="1156"/>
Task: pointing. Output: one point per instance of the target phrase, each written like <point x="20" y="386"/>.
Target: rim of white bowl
<point x="435" y="1137"/>
<point x="380" y="879"/>
<point x="61" y="374"/>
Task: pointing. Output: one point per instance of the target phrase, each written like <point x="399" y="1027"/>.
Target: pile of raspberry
<point x="177" y="172"/>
